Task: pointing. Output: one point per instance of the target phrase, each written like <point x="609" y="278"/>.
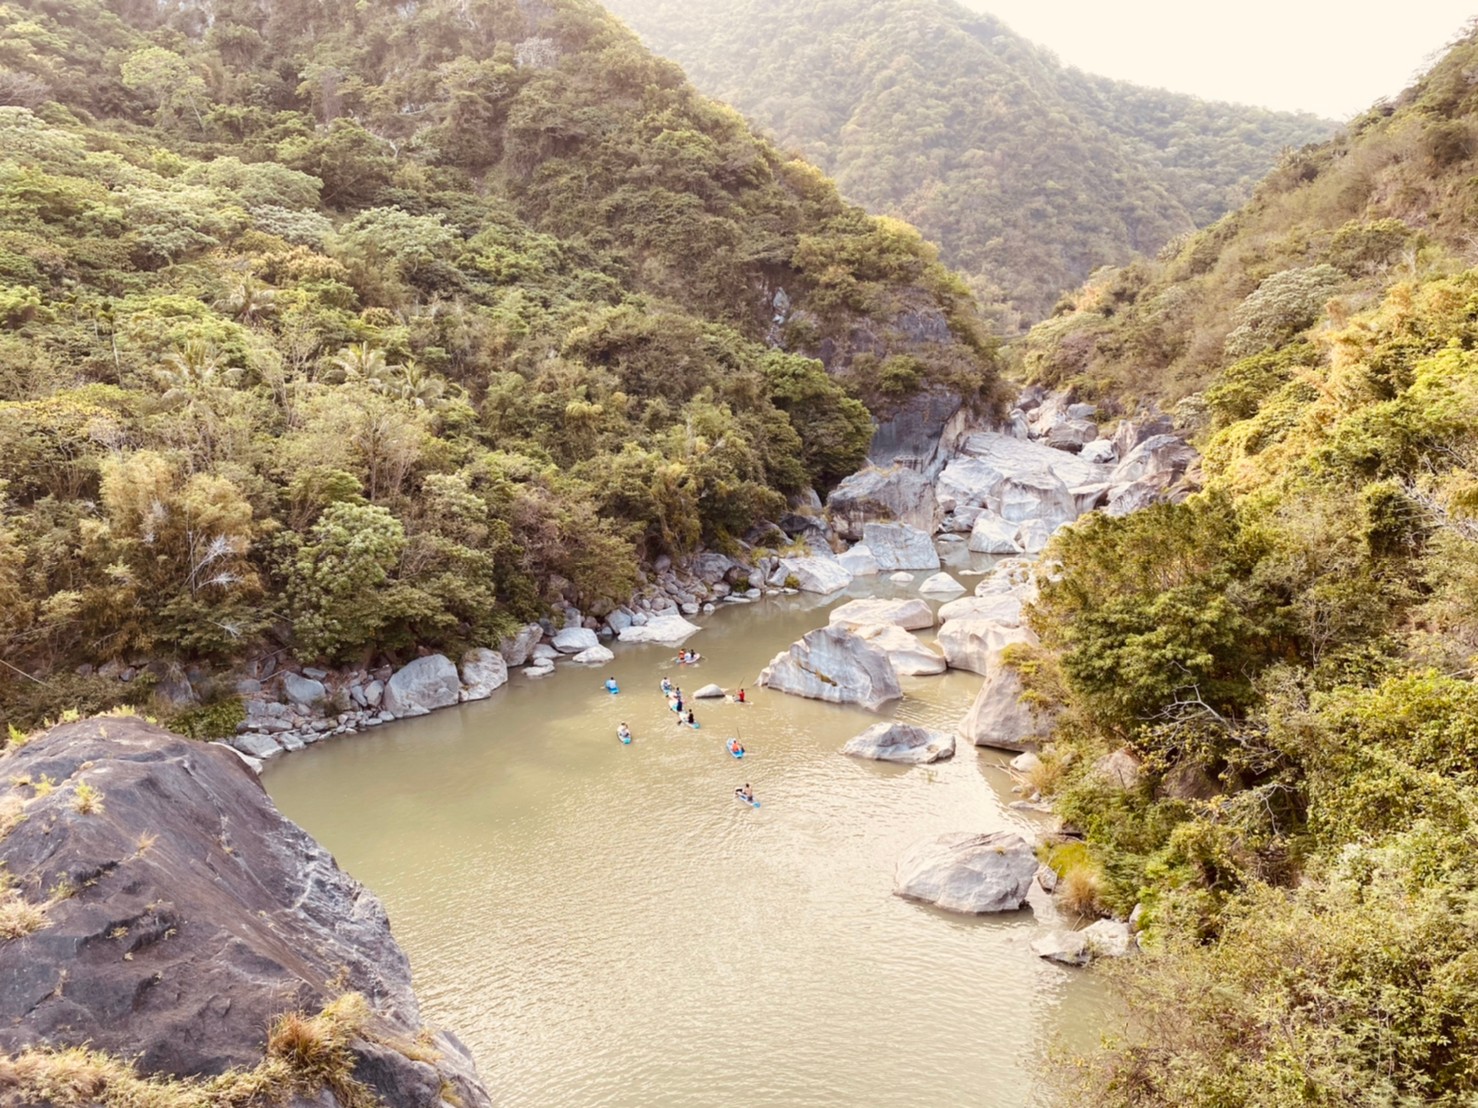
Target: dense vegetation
<point x="1290" y="656"/>
<point x="1028" y="174"/>
<point x="355" y="328"/>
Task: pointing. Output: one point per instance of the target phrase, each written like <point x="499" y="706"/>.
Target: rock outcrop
<point x="901" y="742"/>
<point x="483" y="672"/>
<point x="835" y="665"/>
<point x="421" y="686"/>
<point x="194" y="916"/>
<point x="968" y="873"/>
<point x="871" y="495"/>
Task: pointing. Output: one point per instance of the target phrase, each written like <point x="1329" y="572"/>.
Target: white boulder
<point x="895" y="493"/>
<point x="901" y="578"/>
<point x="998" y="718"/>
<point x="899" y="546"/>
<point x="1001" y="607"/>
<point x="858" y="561"/>
<point x="812" y="574"/>
<point x="901" y="742"/>
<point x="573" y="640"/>
<point x="421" y="685"/>
<point x="483" y="671"/>
<point x="910" y="656"/>
<point x="990" y="534"/>
<point x="970" y="873"/>
<point x="911" y="615"/>
<point x="709" y="692"/>
<point x="835" y="665"/>
<point x="1034" y="535"/>
<point x="971" y="643"/>
<point x="670" y="630"/>
<point x="594" y="656"/>
<point x="516" y="648"/>
<point x="941" y="584"/>
<point x="1105" y="938"/>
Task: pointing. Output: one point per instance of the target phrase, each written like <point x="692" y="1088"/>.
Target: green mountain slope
<point x="1028" y="174"/>
<point x="1288" y="658"/>
<point x="355" y="328"/>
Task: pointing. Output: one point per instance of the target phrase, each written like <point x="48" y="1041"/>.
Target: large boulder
<point x="1152" y="488"/>
<point x="594" y="656"/>
<point x="813" y="574"/>
<point x="1166" y="454"/>
<point x="573" y="640"/>
<point x="1037" y="494"/>
<point x="1007" y="455"/>
<point x="879" y="495"/>
<point x="990" y="534"/>
<point x="1071" y="434"/>
<point x="858" y="561"/>
<point x="303" y="690"/>
<point x="198" y="917"/>
<point x="911" y="615"/>
<point x="709" y="692"/>
<point x="1033" y="535"/>
<point x="835" y="665"/>
<point x="711" y="568"/>
<point x="1001" y="607"/>
<point x="898" y="546"/>
<point x="516" y="648"/>
<point x="910" y="657"/>
<point x="921" y="431"/>
<point x="901" y="742"/>
<point x="969" y="873"/>
<point x="999" y="718"/>
<point x="972" y="643"/>
<point x="483" y="671"/>
<point x="420" y="686"/>
<point x="670" y="630"/>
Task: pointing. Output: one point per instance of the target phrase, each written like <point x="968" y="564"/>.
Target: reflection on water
<point x="606" y="925"/>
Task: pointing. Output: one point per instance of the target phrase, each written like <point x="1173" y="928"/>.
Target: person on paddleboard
<point x="624" y="732"/>
<point x="740" y="697"/>
<point x="610" y="684"/>
<point x="691" y="721"/>
<point x="734" y="747"/>
<point x="745" y="793"/>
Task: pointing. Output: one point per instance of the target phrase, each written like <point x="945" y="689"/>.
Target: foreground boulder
<point x="962" y="872"/>
<point x="835" y="665"/>
<point x="422" y="686"/>
<point x="197" y="916"/>
<point x="911" y="615"/>
<point x="901" y="742"/>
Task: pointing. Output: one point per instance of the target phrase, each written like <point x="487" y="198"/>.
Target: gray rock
<point x="990" y="534"/>
<point x="922" y="430"/>
<point x="313" y="673"/>
<point x="692" y="608"/>
<point x="823" y="575"/>
<point x="247" y="686"/>
<point x="835" y="665"/>
<point x="910" y="657"/>
<point x="422" y="685"/>
<point x="911" y="615"/>
<point x="1071" y="434"/>
<point x="858" y="561"/>
<point x="179" y="954"/>
<point x="538" y="669"/>
<point x="618" y="620"/>
<point x="941" y="584"/>
<point x="1099" y="451"/>
<point x="543" y="654"/>
<point x="897" y="546"/>
<point x="1159" y="454"/>
<point x="1105" y="938"/>
<point x="711" y="568"/>
<point x="303" y="690"/>
<point x="572" y="640"/>
<point x="968" y="873"/>
<point x="1034" y="534"/>
<point x="1119" y="769"/>
<point x="374" y="692"/>
<point x="595" y="656"/>
<point x="901" y="578"/>
<point x="385" y="717"/>
<point x="1027" y="762"/>
<point x="999" y="718"/>
<point x="483" y="672"/>
<point x="356" y="694"/>
<point x="292" y="741"/>
<point x="515" y="649"/>
<point x="709" y="692"/>
<point x="258" y="746"/>
<point x="670" y="630"/>
<point x="973" y="643"/>
<point x="1003" y="608"/>
<point x="901" y="742"/>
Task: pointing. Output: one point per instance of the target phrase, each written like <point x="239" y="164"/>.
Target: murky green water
<point x="606" y="925"/>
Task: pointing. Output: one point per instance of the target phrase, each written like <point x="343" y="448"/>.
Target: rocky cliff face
<point x="182" y="914"/>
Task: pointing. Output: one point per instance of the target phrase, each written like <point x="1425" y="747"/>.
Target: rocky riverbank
<point x="158" y="909"/>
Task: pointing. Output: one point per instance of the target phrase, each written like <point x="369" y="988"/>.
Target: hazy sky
<point x="1332" y="57"/>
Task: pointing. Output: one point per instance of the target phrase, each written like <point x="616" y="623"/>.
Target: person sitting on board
<point x="691" y="721"/>
<point x="624" y="732"/>
<point x="734" y="747"/>
<point x="611" y="684"/>
<point x="745" y="793"/>
<point x="740" y="697"/>
<point x="667" y="686"/>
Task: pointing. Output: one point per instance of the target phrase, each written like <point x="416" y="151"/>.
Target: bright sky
<point x="1331" y="57"/>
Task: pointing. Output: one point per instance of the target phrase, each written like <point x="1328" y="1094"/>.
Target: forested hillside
<point x="1028" y="174"/>
<point x="354" y="328"/>
<point x="1282" y="668"/>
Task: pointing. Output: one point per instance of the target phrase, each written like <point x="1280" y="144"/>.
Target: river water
<point x="605" y="925"/>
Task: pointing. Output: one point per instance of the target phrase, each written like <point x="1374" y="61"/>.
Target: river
<point x="605" y="925"/>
